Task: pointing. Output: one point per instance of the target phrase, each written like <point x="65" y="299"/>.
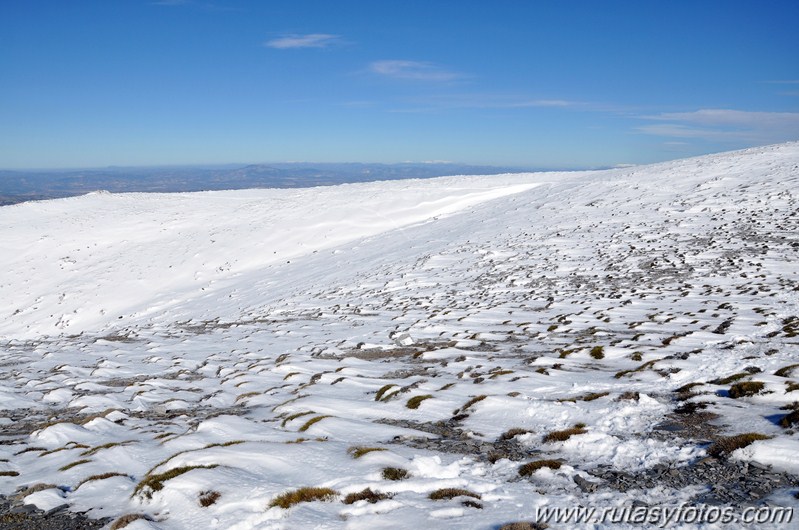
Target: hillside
<point x="617" y="327"/>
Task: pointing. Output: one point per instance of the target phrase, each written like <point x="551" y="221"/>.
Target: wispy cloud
<point x="414" y="70"/>
<point x="311" y="40"/>
<point x="725" y="124"/>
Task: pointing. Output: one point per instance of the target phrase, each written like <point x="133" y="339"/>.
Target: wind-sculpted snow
<point x="595" y="338"/>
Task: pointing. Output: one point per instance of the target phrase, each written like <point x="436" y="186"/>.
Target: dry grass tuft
<point x="125" y="520"/>
<point x="529" y="468"/>
<point x="450" y="493"/>
<point x="359" y="451"/>
<point x="152" y="483"/>
<point x="101" y="476"/>
<point x="790" y="420"/>
<point x="415" y="401"/>
<point x="366" y="495"/>
<point x="307" y="494"/>
<point x="562" y="436"/>
<point x="312" y="421"/>
<point x="9" y="473"/>
<point x="747" y="388"/>
<point x="730" y="378"/>
<point x="383" y="389"/>
<point x="725" y="446"/>
<point x="73" y="464"/>
<point x="512" y="433"/>
<point x="785" y="371"/>
<point x="395" y="473"/>
<point x="472" y="401"/>
<point x="597" y="352"/>
<point x="207" y="498"/>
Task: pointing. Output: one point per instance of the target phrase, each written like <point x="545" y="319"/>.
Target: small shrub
<point x="597" y="352"/>
<point x="472" y="504"/>
<point x="726" y="445"/>
<point x="395" y="473"/>
<point x="747" y="388"/>
<point x="629" y="396"/>
<point x="562" y="436"/>
<point x="207" y="498"/>
<point x="791" y="386"/>
<point x="9" y="473"/>
<point x="307" y="494"/>
<point x="450" y="493"/>
<point x="529" y="468"/>
<point x="358" y="452"/>
<point x="366" y="495"/>
<point x="311" y="422"/>
<point x="415" y="401"/>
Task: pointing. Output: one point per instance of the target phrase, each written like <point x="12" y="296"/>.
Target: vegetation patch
<point x="415" y="401"/>
<point x="395" y="473"/>
<point x="529" y="468"/>
<point x="359" y="451"/>
<point x="746" y="388"/>
<point x="726" y="445"/>
<point x="9" y="473"/>
<point x="451" y="493"/>
<point x="562" y="436"/>
<point x="366" y="495"/>
<point x="307" y="425"/>
<point x="307" y="494"/>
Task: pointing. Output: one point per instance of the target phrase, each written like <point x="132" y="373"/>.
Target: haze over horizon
<point x="557" y="85"/>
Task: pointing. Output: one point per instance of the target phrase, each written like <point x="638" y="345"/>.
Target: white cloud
<point x="416" y="70"/>
<point x="311" y="40"/>
<point x="720" y="124"/>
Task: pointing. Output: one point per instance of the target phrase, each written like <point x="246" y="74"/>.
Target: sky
<point x="536" y="83"/>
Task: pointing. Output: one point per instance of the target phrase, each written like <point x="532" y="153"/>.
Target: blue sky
<point x="558" y="84"/>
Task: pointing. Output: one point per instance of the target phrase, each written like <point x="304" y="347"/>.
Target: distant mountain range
<point x="20" y="186"/>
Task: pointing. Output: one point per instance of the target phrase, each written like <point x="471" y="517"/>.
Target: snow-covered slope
<point x="251" y="331"/>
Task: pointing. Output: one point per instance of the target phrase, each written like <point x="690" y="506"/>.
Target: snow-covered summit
<point x="615" y="322"/>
